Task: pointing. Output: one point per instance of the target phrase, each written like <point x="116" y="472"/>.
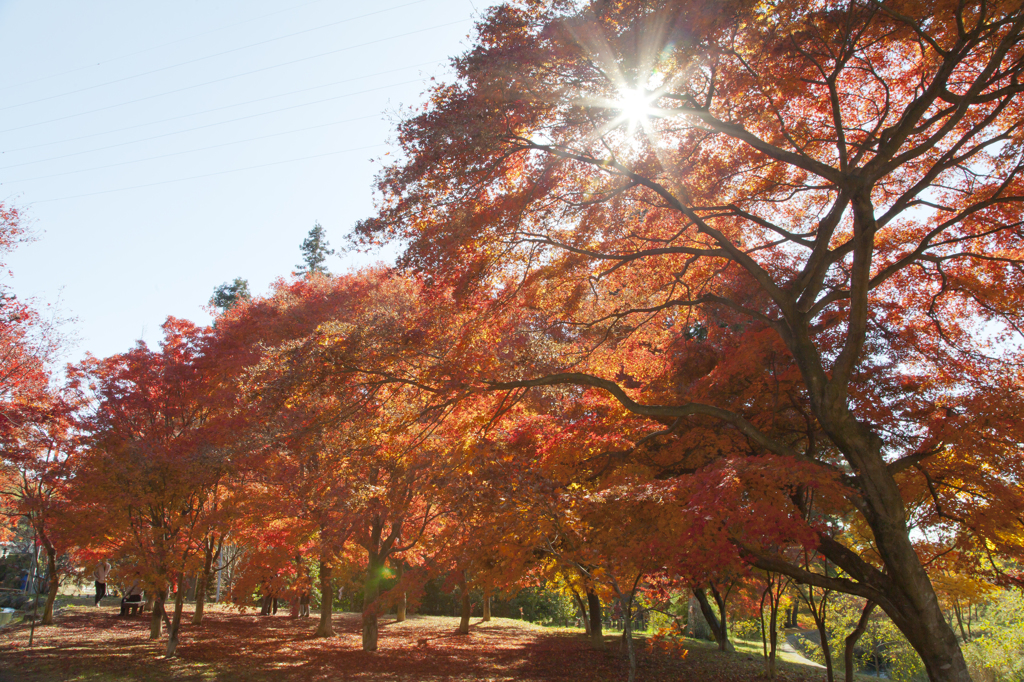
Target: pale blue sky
<point x="172" y="99"/>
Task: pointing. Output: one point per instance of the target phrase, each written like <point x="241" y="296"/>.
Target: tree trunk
<point x="769" y="633"/>
<point x="175" y="627"/>
<point x="202" y="584"/>
<point x="403" y="603"/>
<point x="819" y="613"/>
<point x="51" y="593"/>
<point x="582" y="608"/>
<point x="487" y="607"/>
<point x="371" y="593"/>
<point x="716" y="626"/>
<point x="326" y="628"/>
<point x="464" y="623"/>
<point x="627" y="634"/>
<point x="697" y="625"/>
<point x="594" y="609"/>
<point x="156" y="622"/>
<point x="851" y="639"/>
<point x="720" y="600"/>
<point x="903" y="588"/>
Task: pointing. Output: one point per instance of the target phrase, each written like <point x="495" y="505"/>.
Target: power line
<point x="156" y="47"/>
<point x="210" y="111"/>
<point x="210" y="175"/>
<point x="208" y="125"/>
<point x="239" y="75"/>
<point x="212" y="56"/>
<point x="190" y="151"/>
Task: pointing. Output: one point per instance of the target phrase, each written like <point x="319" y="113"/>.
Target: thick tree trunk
<point x="156" y="621"/>
<point x="202" y="584"/>
<point x="466" y="613"/>
<point x="596" y="628"/>
<point x="486" y="607"/>
<point x="904" y="590"/>
<point x="51" y="593"/>
<point x="901" y="587"/>
<point x="175" y="627"/>
<point x="325" y="628"/>
<point x="371" y="593"/>
<point x="697" y="625"/>
<point x="716" y="626"/>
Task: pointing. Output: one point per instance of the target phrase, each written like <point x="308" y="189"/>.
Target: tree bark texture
<point x="466" y="609"/>
<point x="716" y="626"/>
<point x="325" y="628"/>
<point x="175" y="626"/>
<point x="371" y="593"/>
<point x="156" y="621"/>
<point x="51" y="593"/>
<point x="697" y="625"/>
<point x="202" y="584"/>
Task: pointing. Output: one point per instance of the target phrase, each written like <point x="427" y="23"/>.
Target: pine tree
<point x="227" y="296"/>
<point x="315" y="252"/>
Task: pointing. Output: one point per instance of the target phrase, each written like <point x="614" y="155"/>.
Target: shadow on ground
<point x="96" y="644"/>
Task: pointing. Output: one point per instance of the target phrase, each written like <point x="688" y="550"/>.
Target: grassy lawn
<point x="93" y="645"/>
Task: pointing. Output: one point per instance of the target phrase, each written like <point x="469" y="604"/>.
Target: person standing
<point x="100" y="575"/>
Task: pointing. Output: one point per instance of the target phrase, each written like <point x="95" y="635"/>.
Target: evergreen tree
<point x="227" y="296"/>
<point x="315" y="252"/>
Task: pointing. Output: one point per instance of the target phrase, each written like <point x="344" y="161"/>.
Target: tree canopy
<point x="692" y="295"/>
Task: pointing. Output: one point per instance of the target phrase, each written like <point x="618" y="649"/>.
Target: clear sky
<point x="161" y="148"/>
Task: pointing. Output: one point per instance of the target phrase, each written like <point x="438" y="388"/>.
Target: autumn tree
<point x="41" y="467"/>
<point x="353" y="431"/>
<point x="155" y="459"/>
<point x="35" y="436"/>
<point x="794" y="229"/>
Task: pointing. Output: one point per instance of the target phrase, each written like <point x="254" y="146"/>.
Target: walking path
<point x="791" y="645"/>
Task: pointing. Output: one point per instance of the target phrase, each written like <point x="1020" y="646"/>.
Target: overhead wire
<point x="216" y="81"/>
<point x="204" y="58"/>
<point x="208" y="125"/>
<point x="239" y="75"/>
<point x="210" y="175"/>
<point x="191" y="151"/>
<point x="204" y="111"/>
<point x="157" y="47"/>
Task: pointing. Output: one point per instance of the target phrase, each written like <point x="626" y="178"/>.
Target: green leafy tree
<point x="315" y="250"/>
<point x="227" y="296"/>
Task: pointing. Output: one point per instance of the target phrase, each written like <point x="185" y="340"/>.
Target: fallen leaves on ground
<point x="96" y="644"/>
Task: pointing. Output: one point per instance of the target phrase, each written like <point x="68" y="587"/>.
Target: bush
<point x="998" y="652"/>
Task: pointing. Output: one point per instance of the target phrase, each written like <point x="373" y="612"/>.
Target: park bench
<point x="131" y="606"/>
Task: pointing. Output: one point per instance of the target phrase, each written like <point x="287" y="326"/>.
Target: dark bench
<point x="132" y="606"/>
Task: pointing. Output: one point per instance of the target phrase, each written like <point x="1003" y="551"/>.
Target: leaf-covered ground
<point x="95" y="644"/>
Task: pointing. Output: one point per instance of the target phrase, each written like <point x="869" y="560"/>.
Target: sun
<point x="636" y="107"/>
